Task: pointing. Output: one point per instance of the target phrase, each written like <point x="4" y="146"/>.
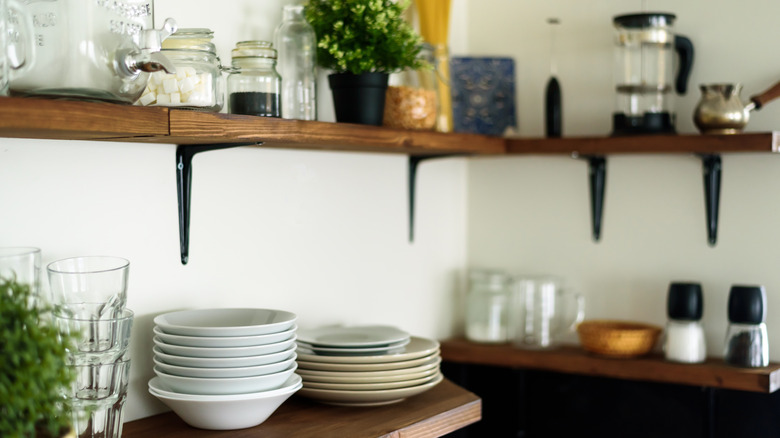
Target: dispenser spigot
<point x="146" y="57"/>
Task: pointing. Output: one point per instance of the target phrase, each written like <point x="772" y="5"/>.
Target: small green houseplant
<point x="362" y="41"/>
<point x="33" y="371"/>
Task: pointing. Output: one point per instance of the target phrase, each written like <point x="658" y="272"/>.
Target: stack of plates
<point x="365" y="365"/>
<point x="209" y="358"/>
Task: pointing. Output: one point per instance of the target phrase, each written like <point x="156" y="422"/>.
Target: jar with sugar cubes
<point x="197" y="83"/>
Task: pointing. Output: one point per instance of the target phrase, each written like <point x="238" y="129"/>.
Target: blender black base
<point x="648" y="123"/>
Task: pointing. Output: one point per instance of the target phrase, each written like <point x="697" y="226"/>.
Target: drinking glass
<point x="96" y="341"/>
<point x="89" y="287"/>
<point x="17" y="47"/>
<point x="541" y="310"/>
<point x="22" y="264"/>
<point x="97" y="398"/>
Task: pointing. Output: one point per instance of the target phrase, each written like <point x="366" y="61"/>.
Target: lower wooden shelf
<point x="574" y="360"/>
<point x="441" y="410"/>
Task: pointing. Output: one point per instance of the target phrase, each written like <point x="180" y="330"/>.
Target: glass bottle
<point x="411" y="101"/>
<point x="684" y="338"/>
<point x="254" y="85"/>
<point x="487" y="307"/>
<point x="197" y="81"/>
<point x="296" y="42"/>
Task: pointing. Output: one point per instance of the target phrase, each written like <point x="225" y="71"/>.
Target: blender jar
<point x="93" y="49"/>
<point x="645" y="72"/>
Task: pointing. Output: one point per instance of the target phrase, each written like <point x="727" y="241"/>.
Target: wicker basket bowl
<point x="619" y="339"/>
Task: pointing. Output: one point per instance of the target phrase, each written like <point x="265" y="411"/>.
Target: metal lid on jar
<point x="191" y="39"/>
<point x="254" y="49"/>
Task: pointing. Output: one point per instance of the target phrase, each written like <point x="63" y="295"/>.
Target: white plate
<point x="368" y="386"/>
<point x="256" y="350"/>
<point x="225" y="322"/>
<point x="211" y="373"/>
<point x="224" y="341"/>
<point x="220" y="412"/>
<point x="350" y="378"/>
<point x="367" y="398"/>
<point x="394" y="348"/>
<point x="223" y="362"/>
<point x="417" y="348"/>
<point x="354" y="336"/>
<point x="366" y="366"/>
<point x="226" y="386"/>
<point x="369" y="370"/>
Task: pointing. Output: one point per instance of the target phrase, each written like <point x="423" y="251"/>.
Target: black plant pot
<point x="359" y="98"/>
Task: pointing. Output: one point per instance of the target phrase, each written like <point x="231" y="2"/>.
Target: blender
<point x="647" y="52"/>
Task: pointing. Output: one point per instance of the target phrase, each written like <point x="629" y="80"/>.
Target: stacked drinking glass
<point x="89" y="296"/>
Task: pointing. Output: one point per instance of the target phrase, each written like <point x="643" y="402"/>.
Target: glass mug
<point x="17" y="42"/>
<point x="541" y="310"/>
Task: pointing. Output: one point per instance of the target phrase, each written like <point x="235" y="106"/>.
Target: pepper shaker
<point x="746" y="339"/>
<point x="684" y="341"/>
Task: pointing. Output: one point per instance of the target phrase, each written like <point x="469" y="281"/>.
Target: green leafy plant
<point x="33" y="371"/>
<point x="362" y="36"/>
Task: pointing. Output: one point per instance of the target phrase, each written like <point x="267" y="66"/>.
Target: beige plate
<point x="400" y="367"/>
<point x="367" y="398"/>
<point x="417" y="348"/>
<point x="346" y="377"/>
<point x="369" y="386"/>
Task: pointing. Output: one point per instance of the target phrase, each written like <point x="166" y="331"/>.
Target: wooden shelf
<point x="573" y="360"/>
<point x="82" y="120"/>
<point x="436" y="412"/>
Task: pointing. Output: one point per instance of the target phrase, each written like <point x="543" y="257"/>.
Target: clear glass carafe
<point x="196" y="81"/>
<point x="95" y="49"/>
<point x="542" y="311"/>
<point x="296" y="44"/>
<point x="254" y="85"/>
<point x="486" y="307"/>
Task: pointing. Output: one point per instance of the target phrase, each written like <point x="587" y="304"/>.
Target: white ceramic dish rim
<point x="244" y="341"/>
<point x="370" y="386"/>
<point x="217" y="360"/>
<point x="253" y="368"/>
<point x="359" y="397"/>
<point x="384" y="335"/>
<point x="362" y="379"/>
<point x="418" y="347"/>
<point x="431" y="362"/>
<point x="224" y="380"/>
<point x="167" y="326"/>
<point x="156" y="385"/>
<point x="347" y="351"/>
<point x="233" y="352"/>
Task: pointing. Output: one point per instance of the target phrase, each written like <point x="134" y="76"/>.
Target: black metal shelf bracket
<point x="597" y="178"/>
<point x="412" y="163"/>
<point x="712" y="167"/>
<point x="184" y="155"/>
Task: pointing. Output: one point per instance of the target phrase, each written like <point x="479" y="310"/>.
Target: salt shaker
<point x="746" y="338"/>
<point x="684" y="340"/>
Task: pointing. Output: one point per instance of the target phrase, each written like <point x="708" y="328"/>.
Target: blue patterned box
<point x="483" y="94"/>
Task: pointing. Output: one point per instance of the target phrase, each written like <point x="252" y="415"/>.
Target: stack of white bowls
<point x="366" y="365"/>
<point x="224" y="369"/>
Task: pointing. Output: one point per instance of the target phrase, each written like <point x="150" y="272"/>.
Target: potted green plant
<point x="362" y="42"/>
<point x="33" y="371"/>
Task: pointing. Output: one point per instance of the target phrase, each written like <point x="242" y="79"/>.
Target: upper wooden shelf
<point x="82" y="120"/>
<point x="436" y="412"/>
<point x="573" y="360"/>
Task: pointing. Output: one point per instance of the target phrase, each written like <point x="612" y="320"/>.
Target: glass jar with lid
<point x="254" y="85"/>
<point x="411" y="100"/>
<point x="487" y="307"/>
<point x="197" y="82"/>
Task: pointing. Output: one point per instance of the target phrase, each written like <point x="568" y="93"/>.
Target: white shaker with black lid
<point x="746" y="339"/>
<point x="684" y="341"/>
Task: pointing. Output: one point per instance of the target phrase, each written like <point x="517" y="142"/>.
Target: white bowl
<point x="224" y="341"/>
<point x="225" y="322"/>
<point x="223" y="362"/>
<point x="211" y="373"/>
<point x="225" y="412"/>
<point x="179" y="350"/>
<point x="225" y="386"/>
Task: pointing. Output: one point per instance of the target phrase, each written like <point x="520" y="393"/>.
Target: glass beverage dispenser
<point x="645" y="75"/>
<point x="94" y="49"/>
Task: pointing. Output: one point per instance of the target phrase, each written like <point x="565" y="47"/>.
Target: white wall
<point x="322" y="234"/>
<point x="532" y="214"/>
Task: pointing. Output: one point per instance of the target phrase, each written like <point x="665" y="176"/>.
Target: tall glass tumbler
<point x="21" y="264"/>
<point x="89" y="287"/>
